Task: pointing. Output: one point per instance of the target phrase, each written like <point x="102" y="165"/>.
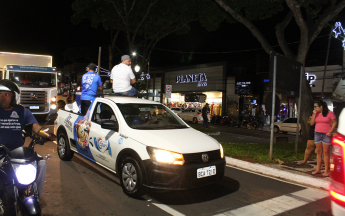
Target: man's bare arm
<point x="111" y="81"/>
<point x="133" y="81"/>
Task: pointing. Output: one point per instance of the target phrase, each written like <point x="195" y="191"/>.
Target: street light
<point x="137" y="68"/>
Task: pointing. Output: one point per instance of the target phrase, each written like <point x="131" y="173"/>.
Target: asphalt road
<point x="80" y="187"/>
<point x="243" y="135"/>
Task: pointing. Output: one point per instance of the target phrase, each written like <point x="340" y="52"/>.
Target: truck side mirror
<point x="110" y="125"/>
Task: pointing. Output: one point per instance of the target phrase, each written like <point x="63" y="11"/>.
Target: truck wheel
<point x="63" y="149"/>
<point x="276" y="129"/>
<point x="195" y="120"/>
<point x="131" y="178"/>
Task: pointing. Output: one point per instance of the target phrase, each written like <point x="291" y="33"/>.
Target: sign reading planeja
<point x="200" y="78"/>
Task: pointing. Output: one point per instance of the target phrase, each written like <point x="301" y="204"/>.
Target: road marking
<point x="162" y="206"/>
<point x="279" y="204"/>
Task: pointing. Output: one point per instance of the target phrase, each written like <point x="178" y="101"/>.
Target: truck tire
<point x="63" y="148"/>
<point x="131" y="177"/>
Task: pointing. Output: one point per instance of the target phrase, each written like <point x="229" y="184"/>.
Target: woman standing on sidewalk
<point x="325" y="123"/>
<point x="310" y="143"/>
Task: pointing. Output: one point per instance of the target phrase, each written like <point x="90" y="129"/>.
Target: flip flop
<point x="300" y="163"/>
<point x="326" y="175"/>
<point x="315" y="173"/>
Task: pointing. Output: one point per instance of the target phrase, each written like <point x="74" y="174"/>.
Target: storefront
<point x="206" y="79"/>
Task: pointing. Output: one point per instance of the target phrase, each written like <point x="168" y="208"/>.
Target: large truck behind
<point x="36" y="78"/>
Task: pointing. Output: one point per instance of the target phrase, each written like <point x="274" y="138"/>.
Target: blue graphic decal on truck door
<point x="82" y="126"/>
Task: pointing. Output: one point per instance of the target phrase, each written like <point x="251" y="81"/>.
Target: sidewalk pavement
<point x="292" y="172"/>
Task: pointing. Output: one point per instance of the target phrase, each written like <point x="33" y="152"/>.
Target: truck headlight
<point x="53" y="106"/>
<point x="164" y="156"/>
<point x="25" y="173"/>
<point x="221" y="150"/>
<point x="54" y="99"/>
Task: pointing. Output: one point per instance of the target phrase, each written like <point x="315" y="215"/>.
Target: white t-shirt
<point x="121" y="75"/>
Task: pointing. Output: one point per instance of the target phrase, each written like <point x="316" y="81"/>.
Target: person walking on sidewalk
<point x="325" y="122"/>
<point x="205" y="110"/>
<point x="310" y="143"/>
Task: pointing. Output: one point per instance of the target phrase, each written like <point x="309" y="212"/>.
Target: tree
<point x="144" y="23"/>
<point x="310" y="16"/>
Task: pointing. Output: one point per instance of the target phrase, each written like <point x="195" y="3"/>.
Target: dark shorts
<point x="311" y="133"/>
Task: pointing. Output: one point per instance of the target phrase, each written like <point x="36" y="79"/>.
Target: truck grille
<point x="197" y="157"/>
<point x="34" y="98"/>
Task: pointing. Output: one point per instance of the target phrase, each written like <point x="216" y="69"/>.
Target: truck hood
<point x="186" y="140"/>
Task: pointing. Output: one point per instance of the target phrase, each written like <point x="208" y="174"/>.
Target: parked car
<point x="337" y="186"/>
<point x="177" y="109"/>
<point x="288" y="125"/>
<point x="126" y="136"/>
<point x="194" y="115"/>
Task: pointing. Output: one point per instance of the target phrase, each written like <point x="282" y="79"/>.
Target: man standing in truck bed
<point x="91" y="83"/>
<point x="122" y="78"/>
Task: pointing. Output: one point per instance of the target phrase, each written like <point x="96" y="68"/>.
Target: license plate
<point x="206" y="171"/>
<point x="34" y="107"/>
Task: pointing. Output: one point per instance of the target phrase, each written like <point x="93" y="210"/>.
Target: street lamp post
<point x="137" y="68"/>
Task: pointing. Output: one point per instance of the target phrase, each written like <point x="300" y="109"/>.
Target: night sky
<point x="45" y="27"/>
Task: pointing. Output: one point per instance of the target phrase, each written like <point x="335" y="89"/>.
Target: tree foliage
<point x="145" y="22"/>
<point x="310" y="16"/>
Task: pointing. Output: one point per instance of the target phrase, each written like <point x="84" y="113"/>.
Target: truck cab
<point x="36" y="78"/>
<point x="38" y="90"/>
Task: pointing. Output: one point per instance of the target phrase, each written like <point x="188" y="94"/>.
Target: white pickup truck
<point x="146" y="149"/>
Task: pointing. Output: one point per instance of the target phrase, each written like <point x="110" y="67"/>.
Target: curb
<point x="269" y="171"/>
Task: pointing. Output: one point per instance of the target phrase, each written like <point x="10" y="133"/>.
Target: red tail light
<point x="335" y="195"/>
<point x="199" y="114"/>
<point x="337" y="190"/>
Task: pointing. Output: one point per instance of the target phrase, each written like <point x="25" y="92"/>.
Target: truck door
<point x="103" y="141"/>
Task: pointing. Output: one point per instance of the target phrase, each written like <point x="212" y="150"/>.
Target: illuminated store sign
<point x="310" y="77"/>
<point x="199" y="78"/>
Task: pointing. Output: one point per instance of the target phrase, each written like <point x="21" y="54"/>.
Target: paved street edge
<point x="258" y="168"/>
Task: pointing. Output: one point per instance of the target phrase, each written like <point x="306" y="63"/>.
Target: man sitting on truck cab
<point x="122" y="77"/>
<point x="91" y="83"/>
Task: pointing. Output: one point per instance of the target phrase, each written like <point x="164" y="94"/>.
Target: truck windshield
<point x="150" y="117"/>
<point x="33" y="79"/>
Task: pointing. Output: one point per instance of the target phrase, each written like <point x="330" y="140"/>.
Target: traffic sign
<point x="168" y="90"/>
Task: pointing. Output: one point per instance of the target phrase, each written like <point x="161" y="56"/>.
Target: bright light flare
<point x="26" y="174"/>
<point x="137" y="68"/>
